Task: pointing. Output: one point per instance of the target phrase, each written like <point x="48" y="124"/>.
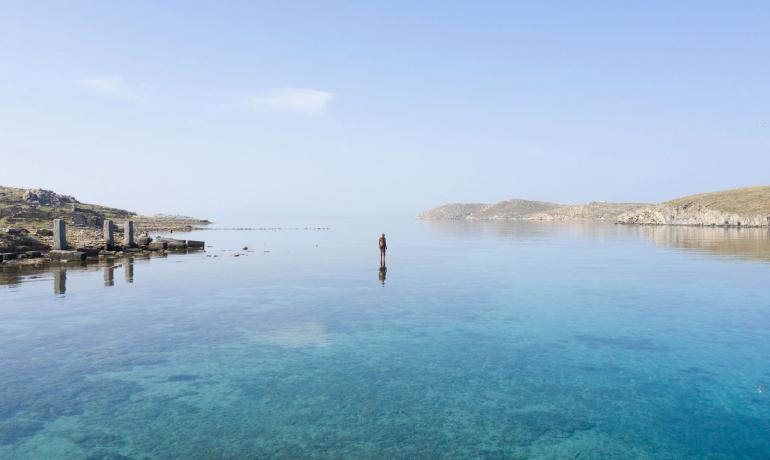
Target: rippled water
<point x="482" y="340"/>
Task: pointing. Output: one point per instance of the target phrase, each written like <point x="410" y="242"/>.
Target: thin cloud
<point x="110" y="86"/>
<point x="303" y="100"/>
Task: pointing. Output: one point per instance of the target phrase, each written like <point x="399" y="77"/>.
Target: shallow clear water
<point x="485" y="340"/>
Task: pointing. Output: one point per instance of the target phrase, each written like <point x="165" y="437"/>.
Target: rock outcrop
<point x="11" y="241"/>
<point x="47" y="197"/>
<point x="692" y="215"/>
<point x="746" y="207"/>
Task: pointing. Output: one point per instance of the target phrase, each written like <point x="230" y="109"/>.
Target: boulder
<point x="16" y="231"/>
<point x="157" y="246"/>
<point x="195" y="244"/>
<point x="176" y="245"/>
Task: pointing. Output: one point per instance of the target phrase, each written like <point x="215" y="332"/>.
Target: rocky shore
<point x="18" y="248"/>
<point x="27" y="237"/>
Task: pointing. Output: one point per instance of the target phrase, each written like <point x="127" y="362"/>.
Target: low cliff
<point x="746" y="207"/>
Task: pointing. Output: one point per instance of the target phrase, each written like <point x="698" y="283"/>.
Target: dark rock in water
<point x="176" y="245"/>
<point x="170" y="240"/>
<point x="16" y="231"/>
<point x="90" y="251"/>
<point x="195" y="244"/>
<point x="245" y="248"/>
<point x="8" y="256"/>
<point x="157" y="246"/>
<point x="34" y="254"/>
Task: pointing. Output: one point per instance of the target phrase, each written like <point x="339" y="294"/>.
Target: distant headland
<point x="745" y="207"/>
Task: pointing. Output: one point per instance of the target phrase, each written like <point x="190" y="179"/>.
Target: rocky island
<point x="745" y="207"/>
<point x="30" y="217"/>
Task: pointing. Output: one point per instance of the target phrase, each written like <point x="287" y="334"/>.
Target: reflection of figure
<point x="383" y="248"/>
<point x="383" y="274"/>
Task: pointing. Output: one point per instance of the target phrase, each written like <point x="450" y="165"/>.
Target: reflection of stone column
<point x="128" y="274"/>
<point x="109" y="276"/>
<point x="59" y="234"/>
<point x="128" y="235"/>
<point x="109" y="236"/>
<point x="60" y="281"/>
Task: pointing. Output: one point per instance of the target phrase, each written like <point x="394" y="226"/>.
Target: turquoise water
<point x="483" y="341"/>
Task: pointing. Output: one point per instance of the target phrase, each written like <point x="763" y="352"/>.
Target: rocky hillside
<point x="35" y="208"/>
<point x="26" y="217"/>
<point x="747" y="207"/>
<point x="530" y="210"/>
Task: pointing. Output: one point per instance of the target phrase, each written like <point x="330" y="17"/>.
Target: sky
<point x="289" y="108"/>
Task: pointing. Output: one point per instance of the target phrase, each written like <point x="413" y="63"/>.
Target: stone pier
<point x="109" y="235"/>
<point x="59" y="234"/>
<point x="128" y="235"/>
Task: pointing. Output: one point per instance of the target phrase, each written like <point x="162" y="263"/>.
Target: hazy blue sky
<point x="334" y="108"/>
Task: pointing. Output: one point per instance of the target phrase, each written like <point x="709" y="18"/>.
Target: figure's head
<point x="383" y="235"/>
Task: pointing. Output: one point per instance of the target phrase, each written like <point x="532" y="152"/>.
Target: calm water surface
<point x="482" y="341"/>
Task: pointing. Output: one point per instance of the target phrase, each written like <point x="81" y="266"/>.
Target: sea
<point x="506" y="340"/>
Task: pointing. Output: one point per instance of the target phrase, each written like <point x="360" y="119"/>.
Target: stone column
<point x="128" y="235"/>
<point x="109" y="236"/>
<point x="59" y="234"/>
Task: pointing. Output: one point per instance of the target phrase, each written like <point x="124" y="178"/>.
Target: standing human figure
<point x="383" y="248"/>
